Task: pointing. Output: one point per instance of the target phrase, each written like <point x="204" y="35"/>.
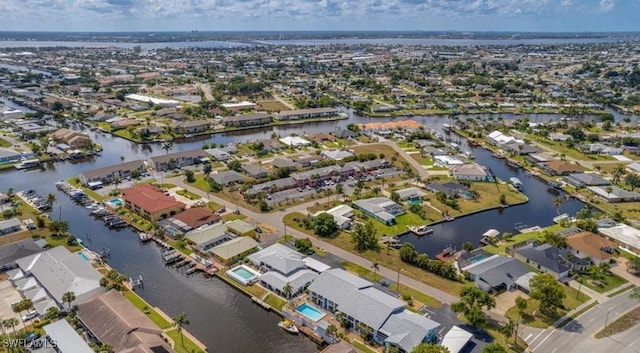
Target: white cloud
<point x="607" y="5"/>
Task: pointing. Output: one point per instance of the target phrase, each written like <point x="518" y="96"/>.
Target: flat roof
<point x="66" y="338"/>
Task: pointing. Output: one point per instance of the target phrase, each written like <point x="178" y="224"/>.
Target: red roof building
<point x="150" y="203"/>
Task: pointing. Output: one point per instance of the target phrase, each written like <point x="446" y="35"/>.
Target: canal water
<point x="221" y="317"/>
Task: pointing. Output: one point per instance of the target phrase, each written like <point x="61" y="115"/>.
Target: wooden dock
<point x="262" y="303"/>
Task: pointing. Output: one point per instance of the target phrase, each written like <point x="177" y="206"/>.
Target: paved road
<point x="578" y="335"/>
<point x="419" y="167"/>
<point x="275" y="219"/>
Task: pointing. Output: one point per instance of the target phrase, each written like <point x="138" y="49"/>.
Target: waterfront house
<point x="580" y="180"/>
<point x="380" y="208"/>
<point x="588" y="245"/>
<point x="150" y="203"/>
<point x="521" y="149"/>
<point x="72" y="138"/>
<point x="342" y="214"/>
<point x="538" y="158"/>
<point x="63" y="337"/>
<point x="411" y="193"/>
<point x="207" y="237"/>
<point x="180" y="159"/>
<point x="450" y="189"/>
<point x="447" y="160"/>
<point x="558" y="167"/>
<point x="496" y="273"/>
<point x="111" y="319"/>
<point x="310" y="113"/>
<point x="295" y="141"/>
<point x="282" y="266"/>
<point x="192" y="126"/>
<point x="255" y="171"/>
<point x="627" y="236"/>
<point x="498" y="138"/>
<point x="110" y="173"/>
<point x="9" y="253"/>
<point x="218" y="154"/>
<point x="191" y="218"/>
<point x="321" y="137"/>
<point x="345" y="134"/>
<point x="550" y="259"/>
<point x="391" y="324"/>
<point x="599" y="148"/>
<point x="614" y="194"/>
<point x="227" y="177"/>
<point x="8" y="155"/>
<point x="271" y="145"/>
<point x="234" y="249"/>
<point x="247" y="120"/>
<point x="241" y="228"/>
<point x="10" y="225"/>
<point x="44" y="277"/>
<point x="471" y="172"/>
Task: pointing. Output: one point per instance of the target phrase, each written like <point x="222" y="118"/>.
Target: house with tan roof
<point x="150" y="203"/>
<point x="72" y="138"/>
<point x="558" y="167"/>
<point x="111" y="319"/>
<point x="593" y="246"/>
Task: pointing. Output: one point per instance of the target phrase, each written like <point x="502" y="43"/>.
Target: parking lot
<point x="9" y="295"/>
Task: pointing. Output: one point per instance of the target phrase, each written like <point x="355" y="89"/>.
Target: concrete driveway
<point x="506" y="300"/>
<point x="9" y="295"/>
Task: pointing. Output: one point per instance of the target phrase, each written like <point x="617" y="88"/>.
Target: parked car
<point x="258" y="230"/>
<point x="30" y="315"/>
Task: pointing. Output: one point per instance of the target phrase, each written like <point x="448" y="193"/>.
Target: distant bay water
<point x="452" y="42"/>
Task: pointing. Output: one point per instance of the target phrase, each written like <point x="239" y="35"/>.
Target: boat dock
<point x="262" y="303"/>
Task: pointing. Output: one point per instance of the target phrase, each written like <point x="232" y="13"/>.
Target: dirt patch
<point x="624" y="323"/>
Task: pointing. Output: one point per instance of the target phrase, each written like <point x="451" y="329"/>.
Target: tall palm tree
<point x="122" y="159"/>
<point x="11" y="322"/>
<point x="557" y="202"/>
<point x="68" y="297"/>
<point x="23" y="305"/>
<point x="287" y="290"/>
<point x="167" y="146"/>
<point x="51" y="199"/>
<point x="180" y="321"/>
<point x="508" y="329"/>
<point x="375" y="267"/>
<point x="10" y="194"/>
<point x="618" y="172"/>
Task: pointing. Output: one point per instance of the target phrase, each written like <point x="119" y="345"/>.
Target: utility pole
<point x="606" y="320"/>
<point x="398" y="285"/>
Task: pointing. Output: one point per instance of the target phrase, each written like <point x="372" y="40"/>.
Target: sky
<point x="284" y="15"/>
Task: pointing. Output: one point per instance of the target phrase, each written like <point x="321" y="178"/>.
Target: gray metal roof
<point x="66" y="338"/>
<point x="60" y="271"/>
<point x="296" y="280"/>
<point x="10" y="223"/>
<point x="407" y="329"/>
<point x="279" y="258"/>
<point x="11" y="252"/>
<point x="551" y="257"/>
<point x="506" y="273"/>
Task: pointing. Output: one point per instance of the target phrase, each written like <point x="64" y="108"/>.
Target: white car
<point x="30" y="315"/>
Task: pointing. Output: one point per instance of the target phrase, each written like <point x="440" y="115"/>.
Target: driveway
<point x="9" y="295"/>
<point x="506" y="300"/>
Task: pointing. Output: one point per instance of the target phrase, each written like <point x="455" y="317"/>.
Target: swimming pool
<point x="415" y="202"/>
<point x="310" y="312"/>
<point x="477" y="258"/>
<point x="243" y="274"/>
<point x="116" y="202"/>
<point x="83" y="256"/>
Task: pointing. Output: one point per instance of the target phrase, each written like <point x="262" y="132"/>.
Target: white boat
<point x="516" y="183"/>
<point x="30" y="163"/>
<point x="288" y="326"/>
<point x="421" y="230"/>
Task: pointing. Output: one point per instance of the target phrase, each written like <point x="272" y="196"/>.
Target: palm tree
<point x="121" y="159"/>
<point x="180" y="321"/>
<point x="375" y="267"/>
<point x="339" y="189"/>
<point x="51" y="198"/>
<point x="617" y="173"/>
<point x="68" y="297"/>
<point x="23" y="305"/>
<point x="508" y="329"/>
<point x="10" y="194"/>
<point x="376" y="190"/>
<point x="557" y="201"/>
<point x="11" y="322"/>
<point x="287" y="290"/>
<point x="167" y="146"/>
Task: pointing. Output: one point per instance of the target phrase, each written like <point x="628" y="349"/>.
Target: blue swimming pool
<point x="243" y="274"/>
<point x="310" y="312"/>
<point x="116" y="202"/>
<point x="477" y="258"/>
<point x="83" y="256"/>
<point x="415" y="202"/>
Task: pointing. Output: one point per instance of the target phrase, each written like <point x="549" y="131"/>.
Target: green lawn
<point x="501" y="247"/>
<point x="610" y="281"/>
<point x="4" y="143"/>
<point x="94" y="195"/>
<point x="188" y="194"/>
<point x="275" y="301"/>
<point x="201" y="183"/>
<point x="139" y="303"/>
<point x="541" y="320"/>
<point x="182" y="344"/>
<point x="255" y="290"/>
<point x="387" y="258"/>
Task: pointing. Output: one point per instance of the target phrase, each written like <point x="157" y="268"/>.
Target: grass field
<point x="541" y="320"/>
<point x="501" y="247"/>
<point x="188" y="194"/>
<point x="182" y="344"/>
<point x="139" y="303"/>
<point x="388" y="258"/>
<point x="272" y="106"/>
<point x="275" y="301"/>
<point x="4" y="143"/>
<point x="611" y="281"/>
